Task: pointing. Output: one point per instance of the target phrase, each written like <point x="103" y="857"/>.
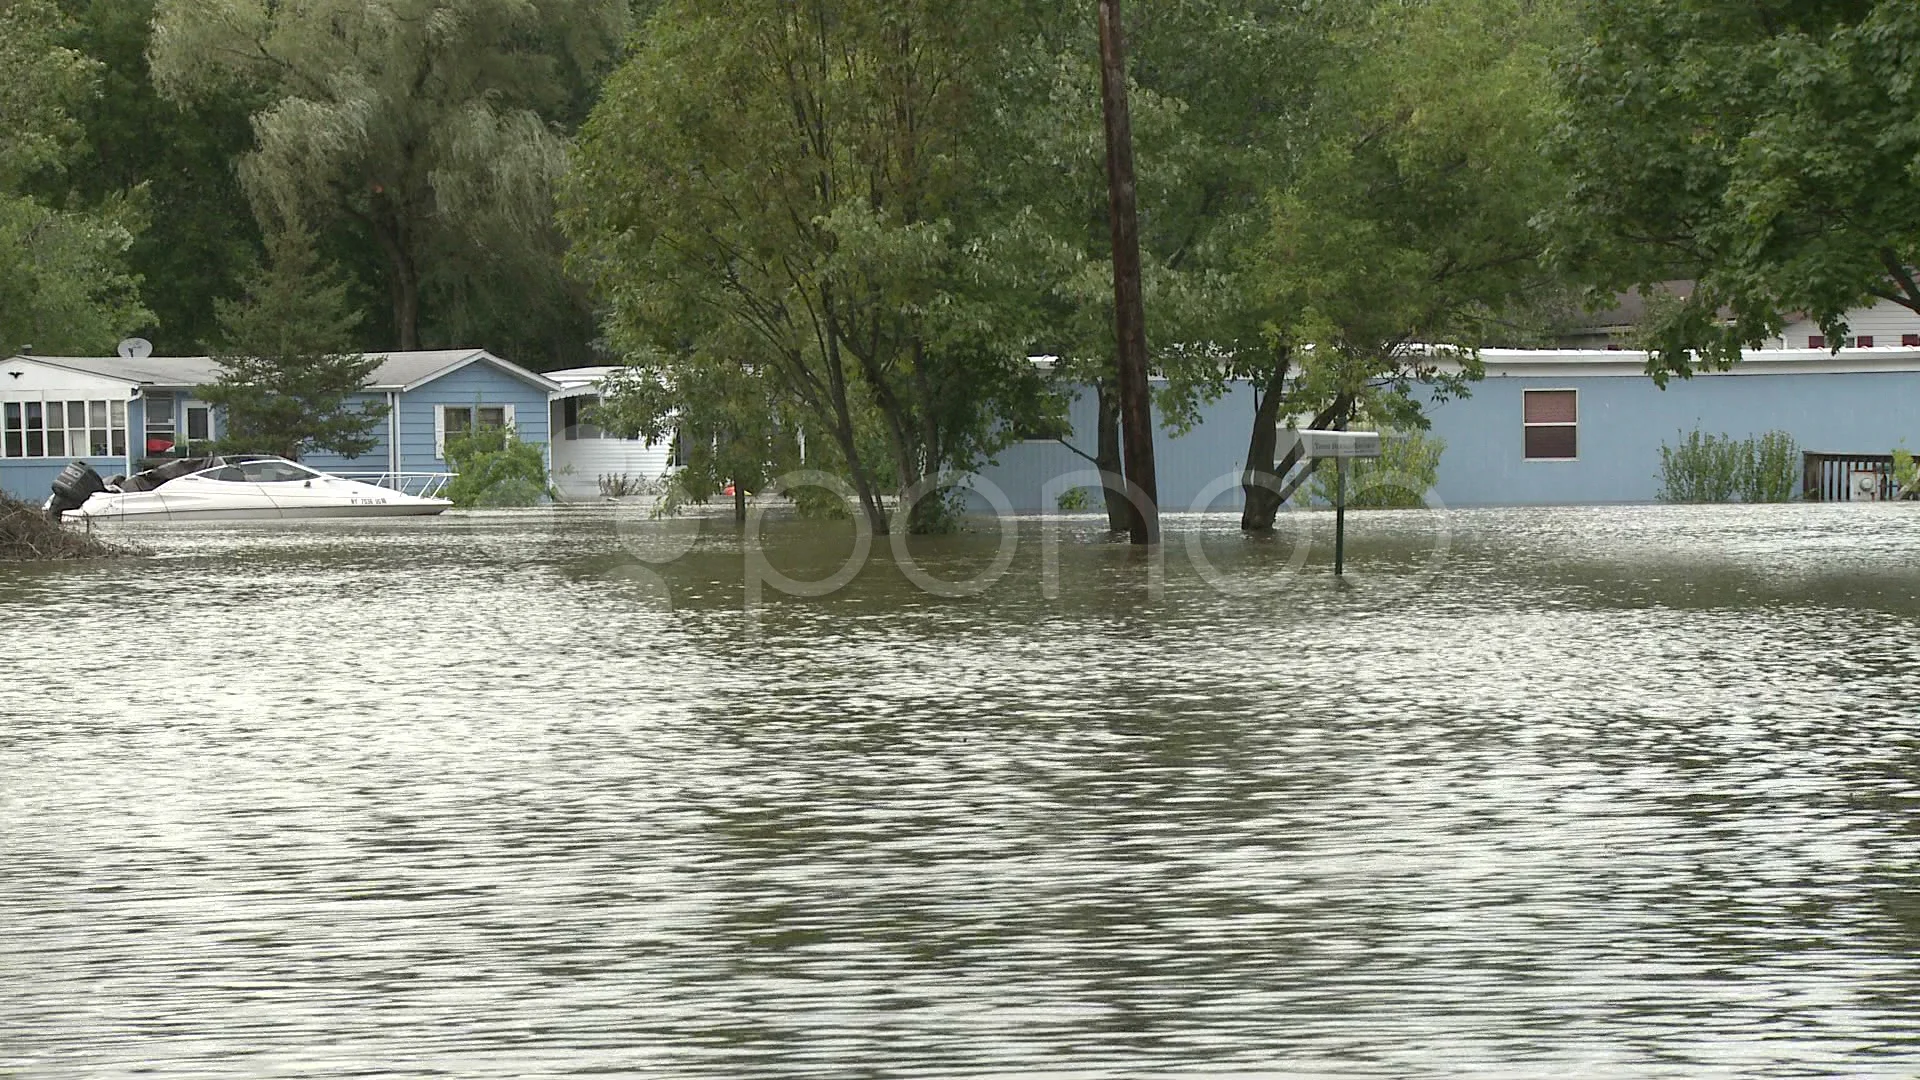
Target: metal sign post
<point x="1341" y="446"/>
<point x="1340" y="518"/>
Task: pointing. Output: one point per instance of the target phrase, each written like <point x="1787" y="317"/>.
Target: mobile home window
<point x="32" y="429"/>
<point x="456" y="420"/>
<point x="571" y="409"/>
<point x="1551" y="420"/>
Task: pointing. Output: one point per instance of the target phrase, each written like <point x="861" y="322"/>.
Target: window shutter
<point x="440" y="432"/>
<point x="509" y="408"/>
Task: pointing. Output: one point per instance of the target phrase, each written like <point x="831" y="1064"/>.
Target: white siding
<point x="1885" y="322"/>
<point x="578" y="464"/>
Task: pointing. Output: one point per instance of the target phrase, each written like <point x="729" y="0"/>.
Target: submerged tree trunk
<point x="1107" y="459"/>
<point x="1259" y="484"/>
<point x="1334" y="415"/>
<point x="1136" y="408"/>
<point x="739" y="503"/>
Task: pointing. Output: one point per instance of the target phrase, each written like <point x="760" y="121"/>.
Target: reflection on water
<point x="1604" y="792"/>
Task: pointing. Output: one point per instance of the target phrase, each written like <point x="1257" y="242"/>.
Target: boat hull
<point x="256" y="488"/>
<point x="424" y="508"/>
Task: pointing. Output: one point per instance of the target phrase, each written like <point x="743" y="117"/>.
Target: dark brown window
<point x="1910" y="340"/>
<point x="1864" y="341"/>
<point x="1816" y="341"/>
<point x="1551" y="422"/>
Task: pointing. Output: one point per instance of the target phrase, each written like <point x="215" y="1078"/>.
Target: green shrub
<point x="493" y="467"/>
<point x="1773" y="472"/>
<point x="1400" y="477"/>
<point x="1718" y="468"/>
<point x="1906" y="473"/>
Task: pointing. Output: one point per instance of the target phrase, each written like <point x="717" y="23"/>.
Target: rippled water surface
<point x="1616" y="792"/>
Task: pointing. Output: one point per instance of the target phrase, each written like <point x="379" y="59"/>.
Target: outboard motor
<point x="71" y="489"/>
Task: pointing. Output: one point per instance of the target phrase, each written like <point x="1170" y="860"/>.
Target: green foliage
<point x="64" y="285"/>
<point x="288" y="373"/>
<point x="1701" y="469"/>
<point x="427" y="130"/>
<point x="1707" y="468"/>
<point x="857" y="280"/>
<point x="1407" y="468"/>
<point x="1408" y="219"/>
<point x="198" y="237"/>
<point x="1773" y="468"/>
<point x="1074" y="499"/>
<point x="1766" y="150"/>
<point x="1906" y="472"/>
<point x="64" y="281"/>
<point x="492" y="467"/>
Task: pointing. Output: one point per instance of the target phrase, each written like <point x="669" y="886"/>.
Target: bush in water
<point x="494" y="468"/>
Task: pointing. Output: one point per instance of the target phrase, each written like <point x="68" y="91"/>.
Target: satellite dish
<point x="135" y="348"/>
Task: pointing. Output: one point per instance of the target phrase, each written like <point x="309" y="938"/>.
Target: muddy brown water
<point x="1598" y="792"/>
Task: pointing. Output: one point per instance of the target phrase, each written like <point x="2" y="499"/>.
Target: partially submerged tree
<point x="1398" y="236"/>
<point x="1766" y="151"/>
<point x="289" y="374"/>
<point x="832" y="230"/>
<point x="427" y="126"/>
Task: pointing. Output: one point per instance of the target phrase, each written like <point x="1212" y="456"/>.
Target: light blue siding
<point x="374" y="460"/>
<point x="1625" y="419"/>
<point x="1205" y="462"/>
<point x="479" y="383"/>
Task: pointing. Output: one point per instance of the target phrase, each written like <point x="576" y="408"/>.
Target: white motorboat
<point x="240" y="487"/>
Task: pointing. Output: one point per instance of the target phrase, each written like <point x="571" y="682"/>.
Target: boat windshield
<point x="274" y="471"/>
<point x="260" y="471"/>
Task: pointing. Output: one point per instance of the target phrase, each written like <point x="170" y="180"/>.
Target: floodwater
<point x="1599" y="792"/>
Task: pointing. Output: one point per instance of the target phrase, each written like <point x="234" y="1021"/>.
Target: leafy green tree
<point x="64" y="281"/>
<point x="1401" y="234"/>
<point x="288" y="371"/>
<point x="1765" y="150"/>
<point x="833" y="230"/>
<point x="432" y="129"/>
<point x="730" y="424"/>
<point x="198" y="238"/>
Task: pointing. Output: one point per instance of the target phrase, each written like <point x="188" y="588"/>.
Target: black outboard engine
<point x="71" y="489"/>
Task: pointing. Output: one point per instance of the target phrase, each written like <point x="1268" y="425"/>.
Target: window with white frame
<point x="41" y="429"/>
<point x="453" y="421"/>
<point x="1551" y="423"/>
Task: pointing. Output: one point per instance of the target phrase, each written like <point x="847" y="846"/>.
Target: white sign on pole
<point x="1318" y="443"/>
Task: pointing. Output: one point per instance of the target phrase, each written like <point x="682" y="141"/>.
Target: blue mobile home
<point x="114" y="412"/>
<point x="1545" y="427"/>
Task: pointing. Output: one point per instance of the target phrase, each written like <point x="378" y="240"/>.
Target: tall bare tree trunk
<point x="1136" y="408"/>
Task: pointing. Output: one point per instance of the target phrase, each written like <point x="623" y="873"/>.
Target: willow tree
<point x="429" y="126"/>
<point x="805" y="189"/>
<point x="64" y="280"/>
